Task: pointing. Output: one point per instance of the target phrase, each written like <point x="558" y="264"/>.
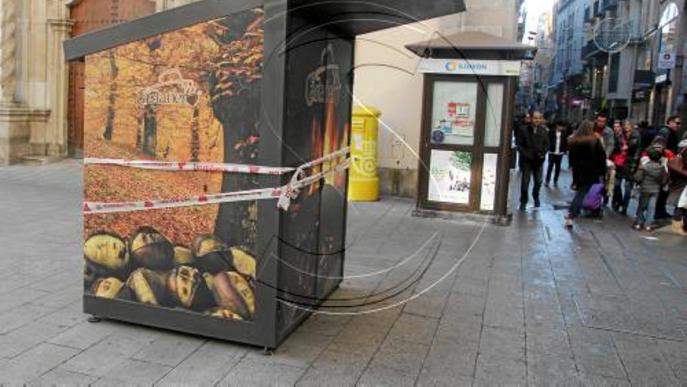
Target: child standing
<point x="650" y="176"/>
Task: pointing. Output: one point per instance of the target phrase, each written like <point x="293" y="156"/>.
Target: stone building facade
<point x="34" y="102"/>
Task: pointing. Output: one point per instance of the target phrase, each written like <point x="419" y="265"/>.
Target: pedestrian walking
<point x="558" y="147"/>
<point x="533" y="144"/>
<point x="670" y="132"/>
<point x="659" y="144"/>
<point x="647" y="132"/>
<point x="677" y="168"/>
<point x="650" y="176"/>
<point x="521" y="124"/>
<point x="604" y="133"/>
<point x="588" y="161"/>
<point x="625" y="159"/>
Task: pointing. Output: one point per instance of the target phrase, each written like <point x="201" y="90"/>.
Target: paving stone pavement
<point x="530" y="304"/>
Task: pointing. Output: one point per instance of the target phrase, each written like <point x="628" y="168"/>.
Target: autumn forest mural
<point x="187" y="95"/>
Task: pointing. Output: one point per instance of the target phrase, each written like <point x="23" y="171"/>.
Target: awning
<point x="472" y="45"/>
<point x="345" y="17"/>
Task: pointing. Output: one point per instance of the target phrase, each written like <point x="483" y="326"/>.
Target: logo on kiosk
<point x="171" y="89"/>
<point x="324" y="83"/>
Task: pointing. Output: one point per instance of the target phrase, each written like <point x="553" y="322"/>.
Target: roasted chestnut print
<point x="210" y="277"/>
<point x="243" y="262"/>
<point x="106" y="255"/>
<point x="108" y="287"/>
<point x="151" y="249"/>
<point x="108" y="251"/>
<point x="212" y="255"/>
<point x="183" y="256"/>
<point x="188" y="289"/>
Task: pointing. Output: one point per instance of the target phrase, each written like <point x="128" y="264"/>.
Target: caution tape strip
<point x="178" y="166"/>
<point x="284" y="194"/>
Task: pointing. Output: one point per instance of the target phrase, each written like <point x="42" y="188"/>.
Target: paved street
<point x="529" y="304"/>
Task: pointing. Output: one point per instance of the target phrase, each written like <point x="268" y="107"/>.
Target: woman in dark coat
<point x="588" y="161"/>
<point x="677" y="167"/>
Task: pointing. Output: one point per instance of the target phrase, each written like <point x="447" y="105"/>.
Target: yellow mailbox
<point x="363" y="179"/>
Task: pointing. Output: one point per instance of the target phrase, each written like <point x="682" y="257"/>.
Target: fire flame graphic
<point x="329" y="143"/>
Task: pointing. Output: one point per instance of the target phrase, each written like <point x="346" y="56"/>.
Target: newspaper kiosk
<point x="469" y="89"/>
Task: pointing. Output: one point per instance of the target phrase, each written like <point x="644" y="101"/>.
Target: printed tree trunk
<point x="195" y="137"/>
<point x="139" y="133"/>
<point x="149" y="144"/>
<point x="114" y="71"/>
<point x="149" y="131"/>
<point x="235" y="87"/>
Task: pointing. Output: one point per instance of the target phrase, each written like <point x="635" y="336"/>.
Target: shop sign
<point x="470" y="67"/>
<point x="639" y="95"/>
<point x="666" y="60"/>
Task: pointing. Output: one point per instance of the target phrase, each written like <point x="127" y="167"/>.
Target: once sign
<point x="470" y="67"/>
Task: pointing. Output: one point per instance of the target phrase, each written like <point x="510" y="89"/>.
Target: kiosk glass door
<point x="461" y="136"/>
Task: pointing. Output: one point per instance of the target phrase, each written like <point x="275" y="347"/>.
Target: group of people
<point x="610" y="165"/>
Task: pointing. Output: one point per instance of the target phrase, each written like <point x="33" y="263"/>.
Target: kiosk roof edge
<point x="351" y="17"/>
<point x="472" y="45"/>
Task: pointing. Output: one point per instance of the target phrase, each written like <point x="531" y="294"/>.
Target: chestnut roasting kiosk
<point x="188" y="107"/>
<point x="469" y="88"/>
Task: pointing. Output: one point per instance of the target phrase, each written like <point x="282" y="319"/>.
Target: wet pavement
<point x="532" y="303"/>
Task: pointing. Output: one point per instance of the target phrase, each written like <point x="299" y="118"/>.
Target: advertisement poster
<point x="191" y="94"/>
<point x="318" y="110"/>
<point x="453" y="113"/>
<point x="450" y="176"/>
<point x="489" y="181"/>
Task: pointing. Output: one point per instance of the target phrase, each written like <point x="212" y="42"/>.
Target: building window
<point x="614" y="72"/>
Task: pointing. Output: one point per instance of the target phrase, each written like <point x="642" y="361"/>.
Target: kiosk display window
<point x="494" y="119"/>
<point x="450" y="176"/>
<point x="489" y="173"/>
<point x="454" y="112"/>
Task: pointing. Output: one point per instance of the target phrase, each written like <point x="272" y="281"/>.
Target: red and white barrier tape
<point x="190" y="166"/>
<point x="284" y="194"/>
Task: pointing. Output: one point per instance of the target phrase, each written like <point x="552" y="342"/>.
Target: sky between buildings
<point x="534" y="9"/>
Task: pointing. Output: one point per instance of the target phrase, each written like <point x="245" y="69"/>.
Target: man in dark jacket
<point x="669" y="132"/>
<point x="520" y="125"/>
<point x="533" y="143"/>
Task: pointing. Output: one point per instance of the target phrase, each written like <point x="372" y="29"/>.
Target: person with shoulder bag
<point x="588" y="161"/>
<point x="677" y="167"/>
<point x="625" y="159"/>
